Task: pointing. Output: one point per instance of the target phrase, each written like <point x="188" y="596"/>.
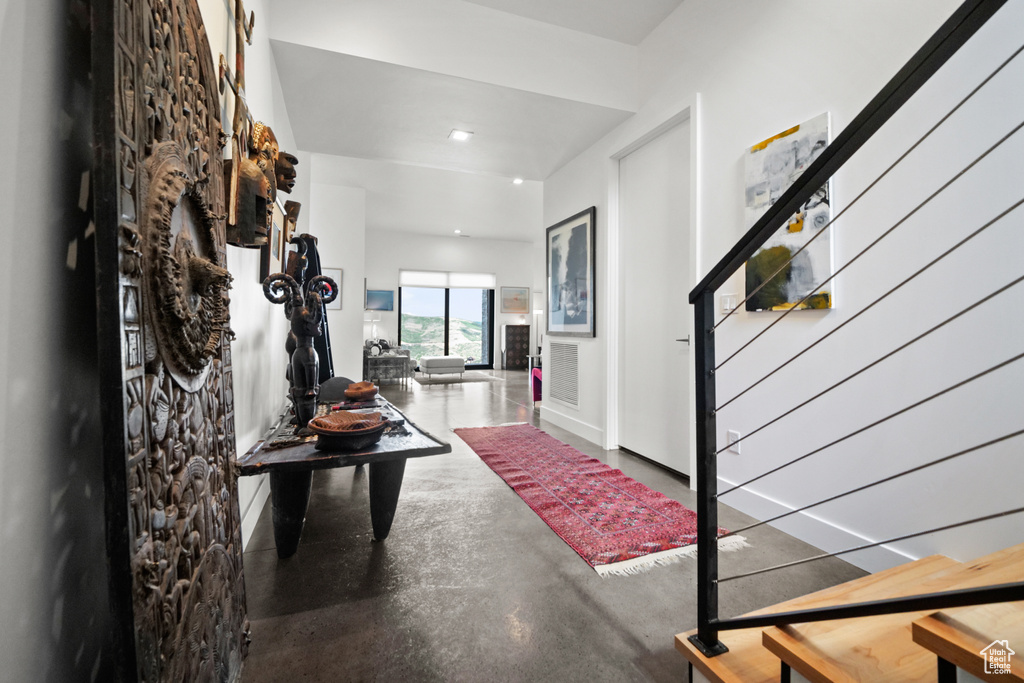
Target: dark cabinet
<point x="515" y="347"/>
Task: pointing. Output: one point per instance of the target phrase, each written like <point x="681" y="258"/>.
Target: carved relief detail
<point x="183" y="518"/>
<point x="186" y="282"/>
<point x="126" y="101"/>
<point x="131" y="257"/>
<point x="126" y="23"/>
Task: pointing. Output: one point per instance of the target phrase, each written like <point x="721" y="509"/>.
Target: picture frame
<point x="570" y="267"/>
<point x="271" y="252"/>
<point x="336" y="275"/>
<point x="515" y="300"/>
<point x="793" y="269"/>
<point x="380" y="300"/>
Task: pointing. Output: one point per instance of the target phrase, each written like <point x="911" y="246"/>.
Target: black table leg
<point x="385" y="484"/>
<point x="289" y="492"/>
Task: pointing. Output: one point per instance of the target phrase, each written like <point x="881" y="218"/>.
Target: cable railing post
<point x="706" y="638"/>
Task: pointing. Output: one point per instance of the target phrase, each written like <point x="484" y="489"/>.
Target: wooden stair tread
<point x="882" y="648"/>
<point x="959" y="635"/>
<point x="865" y="649"/>
<point x="890" y="583"/>
<point x="749" y="662"/>
<point x="746" y="661"/>
<point x="1004" y="566"/>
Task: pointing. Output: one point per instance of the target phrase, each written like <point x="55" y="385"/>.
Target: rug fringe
<point x="639" y="565"/>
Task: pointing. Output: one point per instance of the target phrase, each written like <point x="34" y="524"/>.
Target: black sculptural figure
<point x="306" y="314"/>
<point x="303" y="264"/>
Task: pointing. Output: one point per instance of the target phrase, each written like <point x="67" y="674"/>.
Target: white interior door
<point x="654" y="243"/>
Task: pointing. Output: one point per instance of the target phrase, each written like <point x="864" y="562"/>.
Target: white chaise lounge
<point x="440" y="365"/>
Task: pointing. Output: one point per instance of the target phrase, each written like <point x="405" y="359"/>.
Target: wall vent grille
<point x="564" y="373"/>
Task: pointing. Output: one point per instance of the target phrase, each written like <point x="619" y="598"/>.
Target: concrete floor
<point x="471" y="585"/>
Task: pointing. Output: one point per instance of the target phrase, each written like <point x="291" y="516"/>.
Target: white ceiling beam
<point x="466" y="40"/>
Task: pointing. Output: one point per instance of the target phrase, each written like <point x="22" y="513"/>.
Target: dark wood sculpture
<point x="303" y="264"/>
<point x="257" y="166"/>
<point x="298" y="261"/>
<point x="306" y="313"/>
<point x="286" y="173"/>
<point x="291" y="220"/>
<point x="174" y="529"/>
<point x="251" y="199"/>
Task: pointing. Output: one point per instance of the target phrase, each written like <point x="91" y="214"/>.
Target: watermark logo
<point x="997" y="657"/>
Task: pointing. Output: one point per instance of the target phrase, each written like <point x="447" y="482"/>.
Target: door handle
<point x="687" y="340"/>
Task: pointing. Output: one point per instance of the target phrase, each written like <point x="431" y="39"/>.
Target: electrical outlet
<point x="733" y="439"/>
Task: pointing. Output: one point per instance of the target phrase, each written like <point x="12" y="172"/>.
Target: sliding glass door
<point x="468" y="314"/>
<point x="436" y="321"/>
<point x="421" y="316"/>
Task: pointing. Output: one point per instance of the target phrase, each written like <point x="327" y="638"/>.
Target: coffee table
<point x="291" y="473"/>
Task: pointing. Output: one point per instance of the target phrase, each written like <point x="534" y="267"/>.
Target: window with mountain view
<point x="447" y="322"/>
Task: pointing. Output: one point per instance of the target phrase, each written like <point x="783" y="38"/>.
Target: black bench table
<point x="291" y="474"/>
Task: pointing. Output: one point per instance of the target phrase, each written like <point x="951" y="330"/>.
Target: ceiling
<point x="351" y="106"/>
<point x="536" y="81"/>
<point x="624" y="21"/>
<point x="426" y="201"/>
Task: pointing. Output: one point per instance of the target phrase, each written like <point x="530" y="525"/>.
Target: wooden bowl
<point x="344" y="422"/>
<point x="361" y="391"/>
<point x="347" y="431"/>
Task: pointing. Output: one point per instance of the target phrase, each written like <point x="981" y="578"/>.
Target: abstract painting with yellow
<point x="791" y="269"/>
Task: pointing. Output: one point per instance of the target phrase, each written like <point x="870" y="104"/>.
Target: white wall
<point x="739" y="57"/>
<point x="258" y="354"/>
<point x="388" y="252"/>
<point x="338" y="219"/>
<point x="54" y="603"/>
<point x="581" y="184"/>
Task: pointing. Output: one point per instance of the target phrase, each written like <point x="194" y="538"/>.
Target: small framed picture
<point x="270" y="253"/>
<point x="335" y="274"/>
<point x="380" y="299"/>
<point x="515" y="300"/>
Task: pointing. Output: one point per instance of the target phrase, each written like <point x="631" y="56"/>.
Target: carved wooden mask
<point x="173" y="520"/>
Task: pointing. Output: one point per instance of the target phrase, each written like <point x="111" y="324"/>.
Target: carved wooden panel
<point x="168" y="338"/>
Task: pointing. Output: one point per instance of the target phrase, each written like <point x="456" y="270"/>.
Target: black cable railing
<point x="891" y="416"/>
<point x="865" y="310"/>
<point x="873" y="183"/>
<point x="885" y="234"/>
<point x="953" y="34"/>
<point x="877" y="482"/>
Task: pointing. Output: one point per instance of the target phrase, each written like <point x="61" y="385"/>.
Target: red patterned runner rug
<point x="615" y="523"/>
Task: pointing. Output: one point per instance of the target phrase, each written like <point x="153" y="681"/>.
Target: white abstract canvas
<point x="771" y="167"/>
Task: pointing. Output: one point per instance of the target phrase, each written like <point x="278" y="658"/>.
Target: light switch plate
<point x="733" y="439"/>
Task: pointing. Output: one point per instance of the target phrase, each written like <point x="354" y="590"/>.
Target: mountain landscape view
<point x="424" y="336"/>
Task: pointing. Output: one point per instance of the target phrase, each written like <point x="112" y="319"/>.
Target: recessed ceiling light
<point x="458" y="232"/>
<point x="460" y="135"/>
<point x="517" y="181"/>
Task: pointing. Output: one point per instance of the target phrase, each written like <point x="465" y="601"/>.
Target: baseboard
<point x="814" y="530"/>
<point x="670" y="470"/>
<point x="577" y="427"/>
<point x="252" y="509"/>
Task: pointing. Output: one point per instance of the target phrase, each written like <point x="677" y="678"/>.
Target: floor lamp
<point x="373" y="318"/>
<point x="538" y="312"/>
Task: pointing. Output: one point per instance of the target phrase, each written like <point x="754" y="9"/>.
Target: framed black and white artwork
<point x="570" y="274"/>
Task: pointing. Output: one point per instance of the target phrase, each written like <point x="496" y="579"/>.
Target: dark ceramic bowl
<point x="351" y="440"/>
